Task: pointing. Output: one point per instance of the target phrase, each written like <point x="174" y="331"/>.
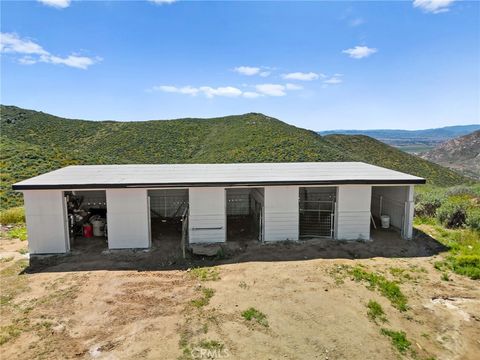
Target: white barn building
<point x="214" y="203"/>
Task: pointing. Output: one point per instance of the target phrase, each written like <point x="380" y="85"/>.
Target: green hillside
<point x="34" y="142"/>
<point x="376" y="152"/>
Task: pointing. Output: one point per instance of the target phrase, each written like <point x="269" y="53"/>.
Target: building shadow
<point x="383" y="243"/>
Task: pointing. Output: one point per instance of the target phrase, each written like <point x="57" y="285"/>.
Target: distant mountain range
<point x="461" y="154"/>
<point x="413" y="141"/>
<point x="33" y="142"/>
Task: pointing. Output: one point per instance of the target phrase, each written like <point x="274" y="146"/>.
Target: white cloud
<point x="160" y="2"/>
<point x="271" y="89"/>
<point x="79" y="62"/>
<point x="433" y="6"/>
<point x="247" y="70"/>
<point x="186" y="90"/>
<point x="210" y="92"/>
<point x="228" y="91"/>
<point x="27" y="60"/>
<point x="334" y="80"/>
<point x="359" y="52"/>
<point x="301" y="76"/>
<point x="293" y="87"/>
<point x="252" y="70"/>
<point x="251" y="94"/>
<point x="12" y="43"/>
<point x="59" y="4"/>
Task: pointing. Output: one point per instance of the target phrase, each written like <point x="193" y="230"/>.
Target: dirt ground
<point x="138" y="305"/>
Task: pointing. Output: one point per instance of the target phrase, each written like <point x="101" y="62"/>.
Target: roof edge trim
<point x="217" y="184"/>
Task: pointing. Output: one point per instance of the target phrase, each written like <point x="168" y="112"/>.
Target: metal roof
<point x="191" y="175"/>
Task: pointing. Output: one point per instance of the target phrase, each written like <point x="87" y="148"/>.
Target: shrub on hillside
<point x="473" y="218"/>
<point x="427" y="203"/>
<point x="453" y="212"/>
<point x="459" y="190"/>
<point x="468" y="265"/>
<point x="14" y="215"/>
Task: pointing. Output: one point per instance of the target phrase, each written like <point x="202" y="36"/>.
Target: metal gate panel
<point x="317" y="212"/>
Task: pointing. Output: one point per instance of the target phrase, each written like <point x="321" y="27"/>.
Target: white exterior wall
<point x="46" y="221"/>
<point x="281" y="213"/>
<point x="353" y="212"/>
<point x="207" y="217"/>
<point x="127" y="218"/>
<point x="410" y="208"/>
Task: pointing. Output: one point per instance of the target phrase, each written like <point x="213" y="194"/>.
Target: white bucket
<point x="384" y="218"/>
<point x="98" y="227"/>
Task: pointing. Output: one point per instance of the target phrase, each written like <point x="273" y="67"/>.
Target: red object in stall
<point x="87" y="230"/>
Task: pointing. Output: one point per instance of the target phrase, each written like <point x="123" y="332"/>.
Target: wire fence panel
<point x="317" y="212"/>
<point x="168" y="203"/>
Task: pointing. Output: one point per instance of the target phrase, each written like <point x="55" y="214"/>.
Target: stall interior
<point x="388" y="208"/>
<point x="87" y="219"/>
<point x="168" y="212"/>
<point x="245" y="214"/>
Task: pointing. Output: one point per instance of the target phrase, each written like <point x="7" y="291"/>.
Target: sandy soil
<point x="138" y="305"/>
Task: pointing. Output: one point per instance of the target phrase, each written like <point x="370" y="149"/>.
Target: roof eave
<point x="20" y="187"/>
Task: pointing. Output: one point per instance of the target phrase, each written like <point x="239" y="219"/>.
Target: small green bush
<point x="426" y="204"/>
<point x="473" y="218"/>
<point x="468" y="265"/>
<point x="399" y="339"/>
<point x="205" y="273"/>
<point x="19" y="232"/>
<point x="375" y="311"/>
<point x="453" y="212"/>
<point x="460" y="190"/>
<point x="15" y="215"/>
<point x="387" y="288"/>
<point x="205" y="299"/>
<point x="211" y="345"/>
<point x="253" y="313"/>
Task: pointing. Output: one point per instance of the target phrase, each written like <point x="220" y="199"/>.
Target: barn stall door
<point x="317" y="212"/>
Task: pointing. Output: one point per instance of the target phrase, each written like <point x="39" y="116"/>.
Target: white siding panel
<point x="408" y="232"/>
<point x="353" y="212"/>
<point x="46" y="222"/>
<point x="207" y="218"/>
<point x="281" y="213"/>
<point x="127" y="218"/>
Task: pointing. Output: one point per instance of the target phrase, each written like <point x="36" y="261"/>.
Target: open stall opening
<point x="168" y="216"/>
<point x="317" y="212"/>
<point x="388" y="208"/>
<point x="87" y="219"/>
<point x="245" y="214"/>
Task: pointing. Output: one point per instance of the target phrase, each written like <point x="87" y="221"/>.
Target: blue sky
<point x="318" y="65"/>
